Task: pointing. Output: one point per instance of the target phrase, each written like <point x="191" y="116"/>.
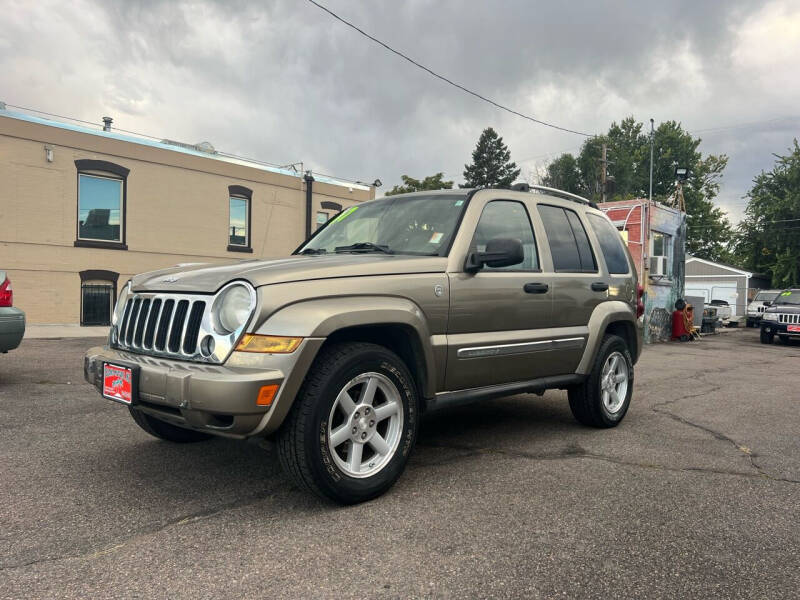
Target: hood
<point x="790" y="309"/>
<point x="210" y="277"/>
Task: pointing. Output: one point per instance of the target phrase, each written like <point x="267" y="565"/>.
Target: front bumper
<point x="12" y="328"/>
<point x="776" y="328"/>
<point x="217" y="399"/>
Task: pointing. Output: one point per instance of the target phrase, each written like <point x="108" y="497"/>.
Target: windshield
<point x="422" y="225"/>
<point x="766" y="296"/>
<point x="788" y="297"/>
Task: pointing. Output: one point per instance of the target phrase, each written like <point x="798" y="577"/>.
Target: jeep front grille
<point x="180" y="326"/>
<point x="785" y="318"/>
<point x="163" y="324"/>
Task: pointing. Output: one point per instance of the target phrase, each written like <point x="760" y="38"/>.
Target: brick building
<point x="82" y="210"/>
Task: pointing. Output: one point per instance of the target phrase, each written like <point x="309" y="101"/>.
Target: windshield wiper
<point x="314" y="251"/>
<point x="364" y="246"/>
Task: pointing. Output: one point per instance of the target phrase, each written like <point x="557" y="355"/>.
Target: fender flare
<point x="605" y="314"/>
<point x="322" y="317"/>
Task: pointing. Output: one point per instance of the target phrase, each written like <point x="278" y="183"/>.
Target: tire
<point x="749" y="323"/>
<point x="166" y="431"/>
<point x="766" y="338"/>
<point x="307" y="441"/>
<point x="587" y="399"/>
<point x="784" y="339"/>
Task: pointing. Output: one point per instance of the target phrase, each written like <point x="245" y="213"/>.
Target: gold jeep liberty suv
<point x="395" y="307"/>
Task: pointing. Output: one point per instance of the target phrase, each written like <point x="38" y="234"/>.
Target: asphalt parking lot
<point x="697" y="493"/>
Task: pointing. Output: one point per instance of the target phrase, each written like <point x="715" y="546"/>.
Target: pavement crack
<point x="185" y="519"/>
<point x="743" y="450"/>
<point x="576" y="452"/>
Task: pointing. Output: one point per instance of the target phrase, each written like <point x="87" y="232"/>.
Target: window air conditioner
<point x="658" y="266"/>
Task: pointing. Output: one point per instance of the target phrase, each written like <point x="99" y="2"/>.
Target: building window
<point x="101" y="204"/>
<point x="239" y="216"/>
<point x="99" y="208"/>
<point x="98" y="295"/>
<point x="661" y="246"/>
<point x="238" y="222"/>
<point x="322" y="218"/>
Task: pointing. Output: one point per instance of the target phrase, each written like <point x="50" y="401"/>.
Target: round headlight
<point x="120" y="307"/>
<point x="232" y="308"/>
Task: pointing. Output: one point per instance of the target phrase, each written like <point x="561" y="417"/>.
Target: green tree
<point x="564" y="173"/>
<point x="491" y="163"/>
<point x="628" y="153"/>
<point x="768" y="238"/>
<point x="431" y="182"/>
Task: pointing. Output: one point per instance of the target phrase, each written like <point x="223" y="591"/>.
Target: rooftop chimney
<point x="107" y="123"/>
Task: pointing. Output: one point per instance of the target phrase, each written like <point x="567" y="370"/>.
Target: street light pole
<point x="652" y="135"/>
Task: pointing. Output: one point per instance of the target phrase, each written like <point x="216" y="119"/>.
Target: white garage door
<point x="716" y="291"/>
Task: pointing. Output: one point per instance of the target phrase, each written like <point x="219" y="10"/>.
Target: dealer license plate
<point x="118" y="383"/>
<point x="793" y="328"/>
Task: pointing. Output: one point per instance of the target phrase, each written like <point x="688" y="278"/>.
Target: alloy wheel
<point x="365" y="425"/>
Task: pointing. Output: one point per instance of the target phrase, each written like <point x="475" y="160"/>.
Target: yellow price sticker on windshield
<point x="346" y="213"/>
<point x="786" y="293"/>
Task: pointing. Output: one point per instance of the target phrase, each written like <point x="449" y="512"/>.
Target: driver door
<point x="498" y="316"/>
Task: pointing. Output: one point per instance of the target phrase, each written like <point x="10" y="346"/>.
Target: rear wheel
<point x="353" y="425"/>
<point x="766" y="338"/>
<point x="166" y="431"/>
<point x="603" y="398"/>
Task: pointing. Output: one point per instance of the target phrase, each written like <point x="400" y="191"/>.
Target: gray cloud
<point x="282" y="81"/>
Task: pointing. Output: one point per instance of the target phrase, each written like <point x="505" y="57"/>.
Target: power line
<point x="744" y="125"/>
<point x="445" y="79"/>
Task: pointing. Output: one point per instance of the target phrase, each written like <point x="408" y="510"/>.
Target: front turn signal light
<point x="267" y="394"/>
<point x="269" y="344"/>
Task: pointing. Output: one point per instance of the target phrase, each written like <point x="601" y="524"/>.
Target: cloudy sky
<point x="281" y="81"/>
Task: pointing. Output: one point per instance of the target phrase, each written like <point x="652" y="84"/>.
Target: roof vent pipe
<point x="107" y="123"/>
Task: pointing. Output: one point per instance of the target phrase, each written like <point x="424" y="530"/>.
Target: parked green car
<point x="12" y="320"/>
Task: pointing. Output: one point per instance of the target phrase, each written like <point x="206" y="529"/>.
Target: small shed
<point x="656" y="237"/>
<point x="718" y="281"/>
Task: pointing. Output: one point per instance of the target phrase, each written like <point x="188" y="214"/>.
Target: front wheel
<point x="353" y="425"/>
<point x="766" y="338"/>
<point x="603" y="398"/>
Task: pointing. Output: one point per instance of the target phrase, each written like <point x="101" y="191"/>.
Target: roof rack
<point x="527" y="187"/>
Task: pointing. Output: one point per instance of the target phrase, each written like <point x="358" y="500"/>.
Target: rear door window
<point x="610" y="244"/>
<point x="569" y="244"/>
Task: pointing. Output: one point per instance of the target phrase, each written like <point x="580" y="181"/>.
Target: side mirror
<point x="767" y="303"/>
<point x="500" y="252"/>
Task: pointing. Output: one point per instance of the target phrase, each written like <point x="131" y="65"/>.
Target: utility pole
<point x="652" y="135"/>
<point x="603" y="170"/>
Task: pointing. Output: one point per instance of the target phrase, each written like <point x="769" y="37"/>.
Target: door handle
<point x="599" y="286"/>
<point x="536" y="288"/>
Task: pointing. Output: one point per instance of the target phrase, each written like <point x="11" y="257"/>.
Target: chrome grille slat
<point x="150" y="326"/>
<point x="163" y="335"/>
<point x="123" y="326"/>
<point x="175" y="338"/>
<point x="192" y="330"/>
<point x="141" y="322"/>
<point x="132" y="322"/>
